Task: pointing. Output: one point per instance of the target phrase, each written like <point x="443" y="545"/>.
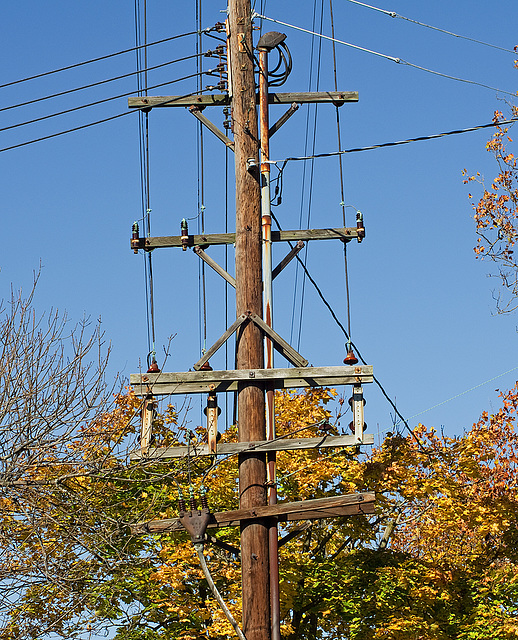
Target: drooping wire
<point x="201" y="196"/>
<point x="95" y="103"/>
<point x="142" y="161"/>
<point x="341" y="172"/>
<point x="387" y="57"/>
<point x="393" y="14"/>
<point x="98" y="83"/>
<point x="105" y="57"/>
<point x="145" y="180"/>
<point x="346" y="334"/>
<point x="311" y="176"/>
<point x="303" y="182"/>
<point x="384" y="145"/>
<point x="226" y="125"/>
<point x="169" y="100"/>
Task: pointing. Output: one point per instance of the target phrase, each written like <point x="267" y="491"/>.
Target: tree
<point x="496" y="213"/>
<point x="437" y="560"/>
<point x="52" y="383"/>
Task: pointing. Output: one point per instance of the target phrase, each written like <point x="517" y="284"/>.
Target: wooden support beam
<point x="338" y="98"/>
<point x="287" y="259"/>
<point x="232" y="448"/>
<point x="162" y="242"/>
<point x="196" y="112"/>
<point x="279" y="343"/>
<point x="318" y="509"/>
<point x="293" y="534"/>
<point x="283" y="119"/>
<point x="224" y="381"/>
<point x="214" y="265"/>
<point x="219" y="343"/>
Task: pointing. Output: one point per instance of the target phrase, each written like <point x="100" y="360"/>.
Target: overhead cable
<point x="395" y="144"/>
<point x="348" y="338"/>
<point x="383" y="55"/>
<point x="109" y="55"/>
<point x="96" y="84"/>
<point x="92" y="124"/>
<point x="92" y="104"/>
<point x="393" y="14"/>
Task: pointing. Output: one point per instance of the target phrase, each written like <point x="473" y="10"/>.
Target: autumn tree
<point x="496" y="212"/>
<point x="437" y="560"/>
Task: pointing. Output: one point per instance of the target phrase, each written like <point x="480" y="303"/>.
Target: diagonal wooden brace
<point x="287" y="259"/>
<point x="214" y="265"/>
<point x="279" y="343"/>
<point x="219" y="343"/>
<point x="196" y="112"/>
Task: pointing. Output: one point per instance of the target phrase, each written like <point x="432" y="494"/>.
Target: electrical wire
<point x="311" y="176"/>
<point x="105" y="57"/>
<point x="96" y="84"/>
<point x="92" y="124"/>
<point x="383" y="145"/>
<point x="93" y="104"/>
<point x="303" y="185"/>
<point x="199" y="550"/>
<point x="341" y="175"/>
<point x="387" y="57"/>
<point x="347" y="337"/>
<point x="393" y="14"/>
<point x="142" y="163"/>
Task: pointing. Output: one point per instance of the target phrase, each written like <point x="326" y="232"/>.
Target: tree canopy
<point x="437" y="560"/>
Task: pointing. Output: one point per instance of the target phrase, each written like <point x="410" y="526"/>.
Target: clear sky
<point x="421" y="305"/>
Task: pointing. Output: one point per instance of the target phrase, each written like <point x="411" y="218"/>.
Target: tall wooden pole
<point x="250" y="355"/>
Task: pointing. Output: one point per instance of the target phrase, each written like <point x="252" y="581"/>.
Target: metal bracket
<point x="196" y="112"/>
<point x="195" y="523"/>
<point x="214" y="265"/>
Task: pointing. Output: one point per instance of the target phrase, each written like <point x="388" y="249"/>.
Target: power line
<point x="92" y="124"/>
<point x="109" y="55"/>
<point x="92" y="104"/>
<point x="96" y="84"/>
<point x="383" y="55"/>
<point x="393" y="14"/>
<point x="347" y="337"/>
<point x="399" y="142"/>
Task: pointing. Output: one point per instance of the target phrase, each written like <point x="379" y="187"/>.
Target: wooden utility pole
<point x="250" y="353"/>
<point x="254" y="382"/>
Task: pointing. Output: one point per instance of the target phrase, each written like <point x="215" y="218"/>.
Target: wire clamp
<point x="195" y="523"/>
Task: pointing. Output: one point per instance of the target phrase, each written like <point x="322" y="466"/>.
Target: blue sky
<point x="421" y="305"/>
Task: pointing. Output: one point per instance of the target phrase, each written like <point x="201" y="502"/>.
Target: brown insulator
<point x="181" y="505"/>
<point x="153" y="367"/>
<point x="184" y="234"/>
<point x="135" y="240"/>
<point x="350" y="358"/>
<point x="205" y="366"/>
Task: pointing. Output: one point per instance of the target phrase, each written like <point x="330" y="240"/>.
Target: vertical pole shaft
<point x="268" y="318"/>
<point x="249" y="346"/>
